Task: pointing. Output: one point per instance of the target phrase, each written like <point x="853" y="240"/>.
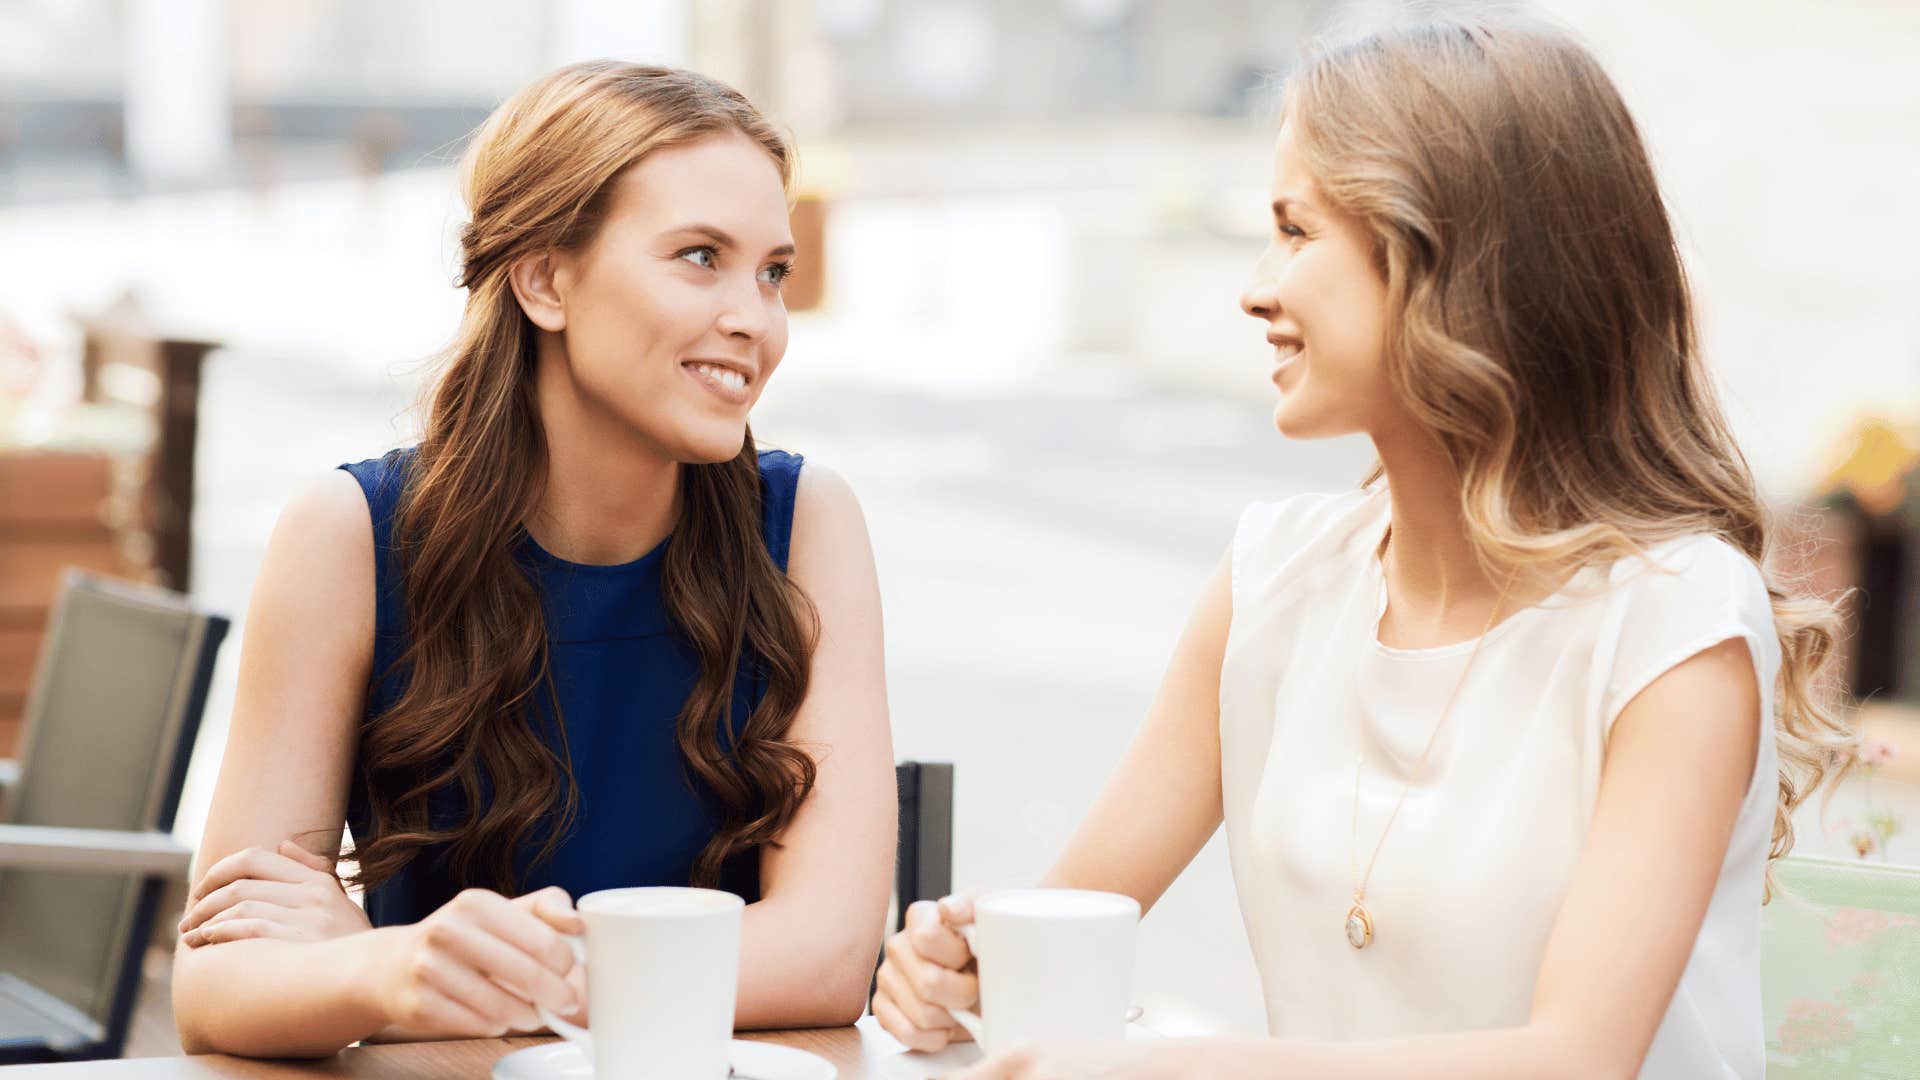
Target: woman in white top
<point x="1504" y="740"/>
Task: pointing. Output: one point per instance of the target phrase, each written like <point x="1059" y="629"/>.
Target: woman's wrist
<point x="1214" y="1057"/>
<point x="361" y="959"/>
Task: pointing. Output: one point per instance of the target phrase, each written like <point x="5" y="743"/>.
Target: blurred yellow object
<point x="1875" y="472"/>
<point x="821" y="169"/>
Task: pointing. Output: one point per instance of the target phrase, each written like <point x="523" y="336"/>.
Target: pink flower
<point x="1813" y="1025"/>
<point x="1874" y="753"/>
<point x="1858" y="926"/>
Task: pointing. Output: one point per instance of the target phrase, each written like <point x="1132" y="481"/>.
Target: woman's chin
<point x="1299" y="420"/>
<point x="711" y="447"/>
<point x="1290" y="420"/>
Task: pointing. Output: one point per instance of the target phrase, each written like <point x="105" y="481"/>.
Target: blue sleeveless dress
<point x="621" y="674"/>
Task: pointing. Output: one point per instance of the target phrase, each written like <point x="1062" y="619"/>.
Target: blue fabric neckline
<point x="540" y="554"/>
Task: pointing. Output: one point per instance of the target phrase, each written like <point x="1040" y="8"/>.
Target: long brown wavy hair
<point x="1540" y="322"/>
<point x="538" y="176"/>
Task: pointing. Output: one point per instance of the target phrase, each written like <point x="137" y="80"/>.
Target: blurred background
<point x="226" y="259"/>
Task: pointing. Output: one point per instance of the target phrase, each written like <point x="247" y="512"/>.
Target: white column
<point x="179" y="101"/>
<point x="648" y="31"/>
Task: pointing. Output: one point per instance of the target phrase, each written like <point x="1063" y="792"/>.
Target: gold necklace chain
<point x="1359" y="922"/>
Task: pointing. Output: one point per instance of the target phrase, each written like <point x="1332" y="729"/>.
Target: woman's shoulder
<point x="1311" y="512"/>
<point x="330" y="508"/>
<point x="1275" y="538"/>
<point x="1681" y="596"/>
<point x="1699" y="569"/>
<point x="828" y="538"/>
<point x="382" y="479"/>
<point x="821" y="502"/>
<point x="794" y="496"/>
<point x="321" y="553"/>
<point x="778" y="464"/>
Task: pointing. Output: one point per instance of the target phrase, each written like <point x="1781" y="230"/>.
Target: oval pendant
<point x="1359" y="926"/>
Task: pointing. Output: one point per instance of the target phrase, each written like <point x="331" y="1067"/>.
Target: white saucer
<point x="899" y="1063"/>
<point x="750" y="1060"/>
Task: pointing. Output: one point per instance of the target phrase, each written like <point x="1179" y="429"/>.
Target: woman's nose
<point x="745" y="316"/>
<point x="1258" y="299"/>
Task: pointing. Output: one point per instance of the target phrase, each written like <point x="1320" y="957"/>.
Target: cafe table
<point x="863" y="1052"/>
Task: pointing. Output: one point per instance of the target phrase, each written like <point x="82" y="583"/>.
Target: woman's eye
<point x="777" y="273"/>
<point x="1292" y="231"/>
<point x="699" y="256"/>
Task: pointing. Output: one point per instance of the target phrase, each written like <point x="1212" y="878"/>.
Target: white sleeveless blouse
<point x="1472" y="876"/>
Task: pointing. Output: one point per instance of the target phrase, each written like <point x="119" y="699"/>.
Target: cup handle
<point x="970" y="1020"/>
<point x="976" y="1028"/>
<point x="573" y="1033"/>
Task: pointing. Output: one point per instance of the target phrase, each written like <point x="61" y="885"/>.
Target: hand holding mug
<point x="928" y="971"/>
<point x="1043" y="965"/>
<point x="476" y="968"/>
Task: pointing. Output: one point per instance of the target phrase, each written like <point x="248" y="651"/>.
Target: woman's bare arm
<point x="304" y="662"/>
<point x="1162" y="803"/>
<point x="808" y="946"/>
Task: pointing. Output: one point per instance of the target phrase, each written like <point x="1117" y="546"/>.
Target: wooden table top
<point x="860" y="1053"/>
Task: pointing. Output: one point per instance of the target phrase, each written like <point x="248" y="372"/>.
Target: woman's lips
<point x="723" y="382"/>
<point x="1285" y="357"/>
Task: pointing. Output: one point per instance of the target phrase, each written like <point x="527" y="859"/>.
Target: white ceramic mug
<point x="662" y="968"/>
<point x="1054" y="964"/>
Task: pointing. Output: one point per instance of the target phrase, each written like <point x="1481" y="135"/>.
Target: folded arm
<point x="303" y="666"/>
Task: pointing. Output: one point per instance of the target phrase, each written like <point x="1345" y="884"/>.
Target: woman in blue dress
<point x="583" y="635"/>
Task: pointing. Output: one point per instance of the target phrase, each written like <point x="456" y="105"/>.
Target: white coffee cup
<point x="662" y="968"/>
<point x="1054" y="964"/>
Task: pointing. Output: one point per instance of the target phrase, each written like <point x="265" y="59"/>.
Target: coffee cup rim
<point x="1116" y="903"/>
<point x="712" y="901"/>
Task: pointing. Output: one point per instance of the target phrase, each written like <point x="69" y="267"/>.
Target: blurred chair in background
<point x="104" y="484"/>
<point x="125" y="359"/>
<point x="85" y="813"/>
<point x="1841" y="970"/>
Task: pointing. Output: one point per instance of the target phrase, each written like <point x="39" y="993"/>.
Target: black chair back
<point x="923" y="865"/>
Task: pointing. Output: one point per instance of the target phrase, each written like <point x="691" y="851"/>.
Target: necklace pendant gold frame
<point x="1359" y="926"/>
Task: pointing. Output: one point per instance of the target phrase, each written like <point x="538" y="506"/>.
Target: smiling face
<point x="671" y="319"/>
<point x="1324" y="301"/>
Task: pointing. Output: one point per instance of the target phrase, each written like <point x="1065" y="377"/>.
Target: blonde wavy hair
<point x="1541" y="324"/>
